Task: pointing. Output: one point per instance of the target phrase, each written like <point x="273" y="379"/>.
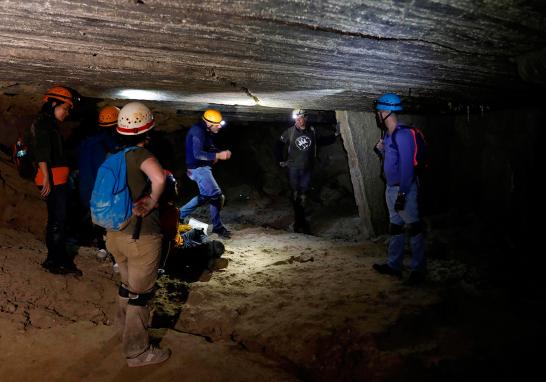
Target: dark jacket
<point x="200" y="149"/>
<point x="46" y="143"/>
<point x="301" y="146"/>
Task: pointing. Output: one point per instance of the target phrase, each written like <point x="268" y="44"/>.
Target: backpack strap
<point x="315" y="139"/>
<point x="292" y="132"/>
<point x="393" y="136"/>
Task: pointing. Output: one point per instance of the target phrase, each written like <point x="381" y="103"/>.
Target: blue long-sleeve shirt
<point x="400" y="158"/>
<point x="200" y="149"/>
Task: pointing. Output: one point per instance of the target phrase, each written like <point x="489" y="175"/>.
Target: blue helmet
<point x="389" y="102"/>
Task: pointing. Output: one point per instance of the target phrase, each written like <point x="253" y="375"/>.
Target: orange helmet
<point x="59" y="93"/>
<point x="108" y="116"/>
<point x="212" y="116"/>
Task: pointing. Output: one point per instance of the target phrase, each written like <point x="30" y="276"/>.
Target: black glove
<point x="400" y="202"/>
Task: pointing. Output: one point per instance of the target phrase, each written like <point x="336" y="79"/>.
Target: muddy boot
<point x="53" y="267"/>
<point x="70" y="267"/>
<point x="151" y="356"/>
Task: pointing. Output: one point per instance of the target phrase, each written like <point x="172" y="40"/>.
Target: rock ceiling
<point x="318" y="54"/>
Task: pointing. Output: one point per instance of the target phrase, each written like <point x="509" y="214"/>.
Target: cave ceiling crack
<point x="364" y="35"/>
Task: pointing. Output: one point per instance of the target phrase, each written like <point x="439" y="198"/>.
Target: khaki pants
<point x="138" y="261"/>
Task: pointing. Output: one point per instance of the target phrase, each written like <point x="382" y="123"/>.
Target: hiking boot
<point x="415" y="278"/>
<point x="385" y="269"/>
<point x="149" y="357"/>
<point x="222" y="232"/>
<point x="54" y="268"/>
<point x="71" y="268"/>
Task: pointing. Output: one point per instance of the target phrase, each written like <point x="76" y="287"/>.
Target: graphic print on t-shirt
<point x="303" y="142"/>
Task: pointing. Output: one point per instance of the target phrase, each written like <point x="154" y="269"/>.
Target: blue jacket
<point x="400" y="158"/>
<point x="200" y="149"/>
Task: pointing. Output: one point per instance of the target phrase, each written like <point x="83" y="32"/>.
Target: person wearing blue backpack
<point x="398" y="148"/>
<point x="125" y="200"/>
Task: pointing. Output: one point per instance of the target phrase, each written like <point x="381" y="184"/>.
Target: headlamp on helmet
<point x="299" y="113"/>
<point x="213" y="117"/>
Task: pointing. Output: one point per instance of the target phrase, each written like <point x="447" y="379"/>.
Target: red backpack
<point x="421" y="163"/>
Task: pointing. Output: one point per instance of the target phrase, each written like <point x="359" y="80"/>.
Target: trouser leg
<point x="300" y="224"/>
<point x="189" y="207"/>
<point x="138" y="262"/>
<point x="55" y="229"/>
<point x="300" y="180"/>
<point x="210" y="192"/>
<point x="135" y="337"/>
<point x="121" y="314"/>
<point x="215" y="216"/>
<point x="417" y="243"/>
<point x="396" y="247"/>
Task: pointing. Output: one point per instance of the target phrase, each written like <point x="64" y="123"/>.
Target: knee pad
<point x="218" y="201"/>
<point x="123" y="291"/>
<point x="202" y="199"/>
<point x="140" y="299"/>
<point x="137" y="299"/>
<point x="416" y="228"/>
<point x="396" y="229"/>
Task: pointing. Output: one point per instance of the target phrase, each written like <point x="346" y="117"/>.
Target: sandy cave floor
<point x="287" y="307"/>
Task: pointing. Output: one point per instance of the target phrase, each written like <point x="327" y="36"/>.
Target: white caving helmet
<point x="135" y="118"/>
<point x="299" y="113"/>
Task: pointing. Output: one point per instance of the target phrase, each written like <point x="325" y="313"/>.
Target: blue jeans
<point x="208" y="188"/>
<point x="409" y="215"/>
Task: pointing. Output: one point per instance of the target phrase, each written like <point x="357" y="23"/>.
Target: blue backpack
<point x="111" y="202"/>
